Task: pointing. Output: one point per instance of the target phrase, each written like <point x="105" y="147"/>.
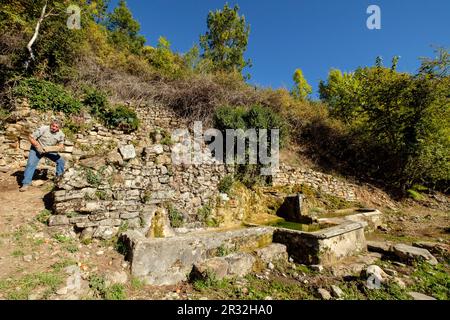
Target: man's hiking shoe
<point x="24" y="188"/>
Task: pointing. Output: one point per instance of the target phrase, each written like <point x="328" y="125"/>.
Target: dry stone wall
<point x="114" y="179"/>
<point x="329" y="184"/>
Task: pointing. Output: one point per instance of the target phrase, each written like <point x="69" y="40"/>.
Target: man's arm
<point x="57" y="148"/>
<point x="35" y="143"/>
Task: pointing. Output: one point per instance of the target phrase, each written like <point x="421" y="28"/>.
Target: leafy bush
<point x="121" y="118"/>
<point x="46" y="95"/>
<point x="397" y="124"/>
<point x="257" y="117"/>
<point x="115" y="292"/>
<point x="96" y="101"/>
<point x="230" y="118"/>
<point x="415" y="195"/>
<point x="164" y="60"/>
<point x="225" y="184"/>
<point x="4" y="116"/>
<point x="43" y="216"/>
<point x="175" y="216"/>
<point x="205" y="215"/>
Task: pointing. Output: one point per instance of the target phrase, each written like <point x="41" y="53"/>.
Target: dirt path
<point x="33" y="255"/>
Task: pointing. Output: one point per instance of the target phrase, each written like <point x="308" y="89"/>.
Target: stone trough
<point x="372" y="218"/>
<point x="167" y="261"/>
<point x="229" y="253"/>
<point x="324" y="246"/>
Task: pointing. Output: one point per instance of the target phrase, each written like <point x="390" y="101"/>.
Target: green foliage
<point x="223" y="251"/>
<point x="46" y="95"/>
<point x="121" y="118"/>
<point x="59" y="266"/>
<point x="398" y="123"/>
<point x="18" y="253"/>
<point x="302" y="88"/>
<point x="137" y="283"/>
<point x="93" y="178"/>
<point x="261" y="117"/>
<point x="175" y="216"/>
<point x="98" y="285"/>
<point x="57" y="47"/>
<point x="225" y="184"/>
<point x="415" y="195"/>
<point x="115" y="292"/>
<point x="256" y="117"/>
<point x="43" y="216"/>
<point x="96" y="101"/>
<point x="205" y="214"/>
<point x="124" y="28"/>
<point x="439" y="66"/>
<point x="62" y="238"/>
<point x="101" y="195"/>
<point x="432" y="280"/>
<point x="226" y="39"/>
<point x="20" y="289"/>
<point x="192" y="59"/>
<point x="164" y="60"/>
<point x="4" y="116"/>
<point x="230" y="118"/>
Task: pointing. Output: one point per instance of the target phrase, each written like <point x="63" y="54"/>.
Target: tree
<point x="400" y="122"/>
<point x="124" y="29"/>
<point x="302" y="88"/>
<point x="162" y="58"/>
<point x="342" y="94"/>
<point x="226" y="40"/>
<point x="395" y="60"/>
<point x="439" y="66"/>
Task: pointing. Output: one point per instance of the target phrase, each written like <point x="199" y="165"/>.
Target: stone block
<point x="128" y="152"/>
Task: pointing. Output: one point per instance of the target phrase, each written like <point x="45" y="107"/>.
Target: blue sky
<point x="314" y="35"/>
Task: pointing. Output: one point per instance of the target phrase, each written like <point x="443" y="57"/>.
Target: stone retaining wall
<point x="113" y="177"/>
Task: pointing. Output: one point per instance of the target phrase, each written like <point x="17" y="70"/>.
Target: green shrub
<point x="257" y="117"/>
<point x="94" y="178"/>
<point x="96" y="101"/>
<point x="43" y="216"/>
<point x="230" y="118"/>
<point x="204" y="214"/>
<point x="415" y="195"/>
<point x="168" y="63"/>
<point x="260" y="117"/>
<point x="4" y="116"/>
<point x="225" y="184"/>
<point x="175" y="216"/>
<point x="115" y="292"/>
<point x="121" y="118"/>
<point x="46" y="95"/>
<point x="432" y="280"/>
<point x="98" y="285"/>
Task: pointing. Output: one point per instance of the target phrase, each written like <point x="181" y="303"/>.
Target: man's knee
<point x="60" y="162"/>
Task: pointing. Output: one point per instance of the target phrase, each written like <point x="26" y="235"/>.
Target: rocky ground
<point x="39" y="262"/>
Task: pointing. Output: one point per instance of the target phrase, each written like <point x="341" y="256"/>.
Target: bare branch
<point x="35" y="35"/>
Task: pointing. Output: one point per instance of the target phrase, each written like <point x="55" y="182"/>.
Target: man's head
<point x="55" y="125"/>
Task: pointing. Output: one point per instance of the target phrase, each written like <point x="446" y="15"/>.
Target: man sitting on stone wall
<point x="46" y="141"/>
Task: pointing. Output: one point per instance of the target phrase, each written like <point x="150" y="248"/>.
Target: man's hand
<point x="39" y="148"/>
